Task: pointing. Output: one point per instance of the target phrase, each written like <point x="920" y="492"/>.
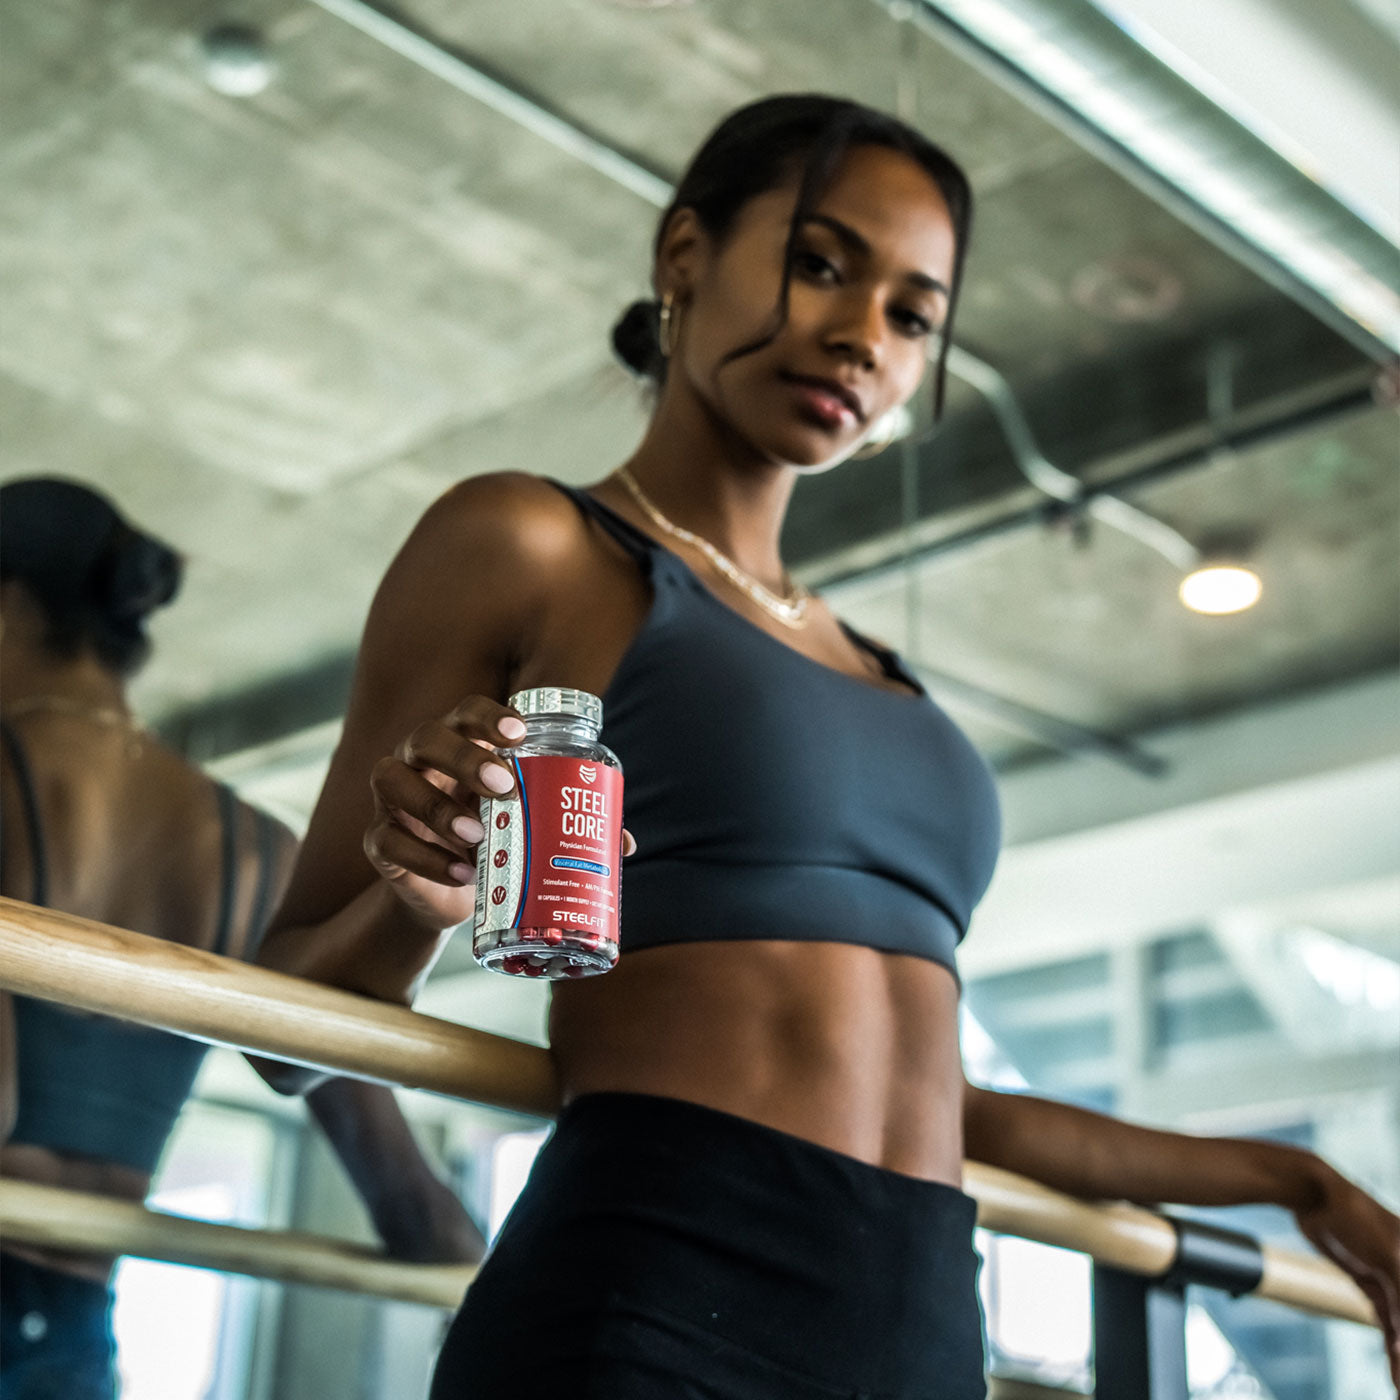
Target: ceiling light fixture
<point x="1213" y="581"/>
<point x="236" y="60"/>
<point x="1218" y="589"/>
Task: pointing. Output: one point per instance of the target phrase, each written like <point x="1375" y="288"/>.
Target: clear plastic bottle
<point x="548" y="870"/>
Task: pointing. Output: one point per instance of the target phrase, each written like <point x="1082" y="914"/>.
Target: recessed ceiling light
<point x="1218" y="589"/>
<point x="236" y="60"/>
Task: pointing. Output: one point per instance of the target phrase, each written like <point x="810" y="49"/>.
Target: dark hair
<point x="755" y="150"/>
<point x="94" y="575"/>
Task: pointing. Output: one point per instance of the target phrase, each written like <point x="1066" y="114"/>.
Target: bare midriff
<point x="847" y="1047"/>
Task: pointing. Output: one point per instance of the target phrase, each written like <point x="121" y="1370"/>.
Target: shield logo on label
<point x="587" y="773"/>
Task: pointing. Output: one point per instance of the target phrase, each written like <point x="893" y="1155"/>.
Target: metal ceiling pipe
<point x="528" y="112"/>
<point x="833" y="577"/>
<point x="1061" y="485"/>
<point x="1074" y="66"/>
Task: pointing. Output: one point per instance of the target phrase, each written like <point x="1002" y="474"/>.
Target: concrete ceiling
<point x="276" y="326"/>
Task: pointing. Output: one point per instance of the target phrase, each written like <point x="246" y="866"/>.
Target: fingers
<point x="479" y="717"/>
<point x="395" y="852"/>
<point x="460" y="752"/>
<point x="445" y="815"/>
<point x="426" y="797"/>
<point x="421" y="827"/>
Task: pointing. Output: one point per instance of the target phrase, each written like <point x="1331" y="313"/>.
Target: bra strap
<point x="267" y="860"/>
<point x="228" y="882"/>
<point x="29" y="800"/>
<point x="636" y="542"/>
<point x="891" y="663"/>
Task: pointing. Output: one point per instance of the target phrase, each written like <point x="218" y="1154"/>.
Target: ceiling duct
<point x="529" y="112"/>
<point x="1074" y="65"/>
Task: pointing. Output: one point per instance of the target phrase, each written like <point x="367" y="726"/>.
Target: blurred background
<point x="278" y="272"/>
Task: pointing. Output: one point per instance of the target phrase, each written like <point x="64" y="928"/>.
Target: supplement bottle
<point x="548" y="868"/>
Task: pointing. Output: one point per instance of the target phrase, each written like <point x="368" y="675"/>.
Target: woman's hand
<point x="1361" y="1236"/>
<point x="427" y="808"/>
<point x="1099" y="1158"/>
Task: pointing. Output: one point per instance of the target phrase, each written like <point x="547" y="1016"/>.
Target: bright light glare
<point x="1212" y="1365"/>
<point x="1042" y="1311"/>
<point x="167" y="1317"/>
<point x="1353" y="975"/>
<point x="1221" y="588"/>
<point x="236" y="60"/>
<point x="987" y="1063"/>
<point x="511" y="1160"/>
<point x="1209" y="1357"/>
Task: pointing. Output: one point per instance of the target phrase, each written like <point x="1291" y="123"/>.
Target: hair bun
<point x="636" y="339"/>
<point x="140" y="575"/>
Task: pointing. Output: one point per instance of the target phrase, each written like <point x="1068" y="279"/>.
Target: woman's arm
<point x="414" y="1213"/>
<point x="458" y="610"/>
<point x="1088" y="1154"/>
<point x="1092" y="1155"/>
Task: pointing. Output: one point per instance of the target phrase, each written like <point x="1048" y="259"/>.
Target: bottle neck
<point x="546" y="729"/>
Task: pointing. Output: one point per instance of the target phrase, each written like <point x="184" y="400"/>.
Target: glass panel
<point x="183" y="1333"/>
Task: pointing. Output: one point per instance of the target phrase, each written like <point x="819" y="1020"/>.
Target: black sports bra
<point x="773" y="797"/>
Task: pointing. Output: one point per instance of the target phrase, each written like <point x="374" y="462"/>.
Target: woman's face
<point x="869" y="290"/>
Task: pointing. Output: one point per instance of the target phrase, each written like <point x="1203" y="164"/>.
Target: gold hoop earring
<point x="669" y="319"/>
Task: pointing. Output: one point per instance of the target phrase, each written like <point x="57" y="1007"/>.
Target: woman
<point x="753" y="1189"/>
<point x="102" y="821"/>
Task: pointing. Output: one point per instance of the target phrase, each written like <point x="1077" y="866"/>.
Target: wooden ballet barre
<point x="51" y="1217"/>
<point x="1140" y="1241"/>
<point x="95" y="967"/>
<point x="118" y="973"/>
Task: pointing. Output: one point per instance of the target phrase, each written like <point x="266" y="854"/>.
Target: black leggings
<point x="665" y="1251"/>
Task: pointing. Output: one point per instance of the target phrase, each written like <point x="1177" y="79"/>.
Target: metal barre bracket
<point x="1214" y="1258"/>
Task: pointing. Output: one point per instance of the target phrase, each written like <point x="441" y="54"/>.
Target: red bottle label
<point x="553" y="848"/>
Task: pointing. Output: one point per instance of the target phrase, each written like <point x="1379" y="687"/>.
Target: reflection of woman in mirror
<point x="101" y="820"/>
<point x="753" y="1189"/>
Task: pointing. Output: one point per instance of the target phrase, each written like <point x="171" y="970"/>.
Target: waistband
<point x="780" y="1246"/>
<point x="657" y="1124"/>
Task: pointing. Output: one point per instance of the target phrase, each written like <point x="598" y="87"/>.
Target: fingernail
<point x="496" y="778"/>
<point x="468" y="828"/>
<point x="461" y="872"/>
<point x="512" y="728"/>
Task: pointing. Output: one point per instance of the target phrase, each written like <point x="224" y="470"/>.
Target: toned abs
<point x="841" y="1045"/>
<point x="844" y="1046"/>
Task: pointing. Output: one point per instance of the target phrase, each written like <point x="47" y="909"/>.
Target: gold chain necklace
<point x="108" y="716"/>
<point x="790" y="611"/>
